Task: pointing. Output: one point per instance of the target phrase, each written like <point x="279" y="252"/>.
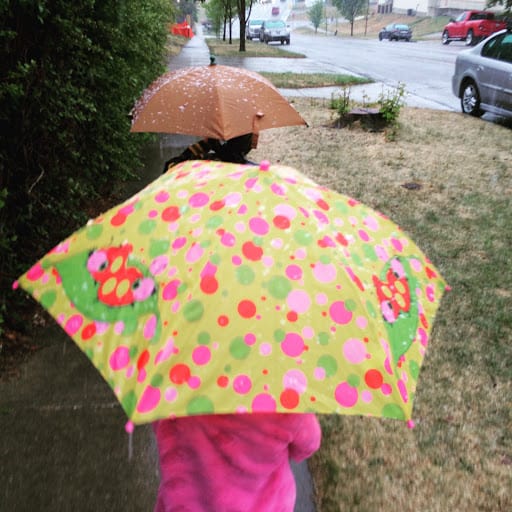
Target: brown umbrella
<point x="214" y="101"/>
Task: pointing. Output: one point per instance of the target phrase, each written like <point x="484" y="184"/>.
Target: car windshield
<point x="275" y="24"/>
<point x="256" y="22"/>
<point x="402" y="27"/>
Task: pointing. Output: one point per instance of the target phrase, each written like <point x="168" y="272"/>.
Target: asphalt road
<point x="425" y="67"/>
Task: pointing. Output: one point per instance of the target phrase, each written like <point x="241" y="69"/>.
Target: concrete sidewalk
<point x="62" y="444"/>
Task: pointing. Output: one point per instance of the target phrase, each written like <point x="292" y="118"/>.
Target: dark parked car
<point x="395" y="32"/>
<point x="207" y="25"/>
<point x="274" y="30"/>
<point x="483" y="76"/>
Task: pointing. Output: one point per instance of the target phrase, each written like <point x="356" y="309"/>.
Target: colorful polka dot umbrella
<point x="225" y="288"/>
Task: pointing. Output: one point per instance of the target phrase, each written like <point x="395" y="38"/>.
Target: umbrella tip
<point x="212" y="60"/>
<point x="264" y="165"/>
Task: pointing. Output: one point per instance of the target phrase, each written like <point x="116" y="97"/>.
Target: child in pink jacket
<point x="232" y="462"/>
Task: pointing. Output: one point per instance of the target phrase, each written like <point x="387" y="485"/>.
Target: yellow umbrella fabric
<point x="224" y="288"/>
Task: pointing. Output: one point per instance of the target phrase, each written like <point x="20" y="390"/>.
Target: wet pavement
<point x="62" y="444"/>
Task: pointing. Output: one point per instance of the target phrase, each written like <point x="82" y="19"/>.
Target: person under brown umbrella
<point x="234" y="150"/>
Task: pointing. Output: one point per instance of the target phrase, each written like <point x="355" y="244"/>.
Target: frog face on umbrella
<point x="111" y="285"/>
<point x="119" y="283"/>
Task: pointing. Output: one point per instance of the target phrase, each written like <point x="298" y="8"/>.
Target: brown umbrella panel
<point x="214" y="101"/>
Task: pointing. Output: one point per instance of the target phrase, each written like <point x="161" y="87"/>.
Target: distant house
<point x="431" y="7"/>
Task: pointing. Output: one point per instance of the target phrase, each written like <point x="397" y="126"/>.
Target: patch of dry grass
<point x="459" y="456"/>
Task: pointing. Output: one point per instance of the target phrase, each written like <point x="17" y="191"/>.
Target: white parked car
<point x="275" y="30"/>
<point x="252" y="30"/>
<point x="483" y="76"/>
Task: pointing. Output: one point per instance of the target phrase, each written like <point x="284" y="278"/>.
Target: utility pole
<point x="325" y="14"/>
<point x="366" y="19"/>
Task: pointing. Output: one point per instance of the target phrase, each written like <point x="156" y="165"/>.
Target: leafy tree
<point x="507" y="5"/>
<point x="70" y="73"/>
<point x="186" y="7"/>
<point x="350" y="9"/>
<point x="215" y="12"/>
<point x="222" y="12"/>
<point x="316" y="14"/>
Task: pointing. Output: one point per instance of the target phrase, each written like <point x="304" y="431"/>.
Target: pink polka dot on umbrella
<point x="265" y="349"/>
<point x="293" y="272"/>
<point x="162" y="196"/>
<point x="339" y="313"/>
<point x="295" y="379"/>
<point x="73" y="324"/>
<point x="201" y="355"/>
<point x="299" y="301"/>
<point x="120" y="358"/>
<point x="149" y="399"/>
<point x="198" y="200"/>
<point x="292" y="345"/>
<point x="263" y="403"/>
<point x="324" y="273"/>
<point x="35" y="272"/>
<point x="258" y="226"/>
<point x="354" y="351"/>
<point x="346" y="395"/>
<point x="242" y="384"/>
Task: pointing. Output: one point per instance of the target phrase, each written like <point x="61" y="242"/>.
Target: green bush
<point x="71" y="72"/>
<point x="391" y="102"/>
<point x="341" y="102"/>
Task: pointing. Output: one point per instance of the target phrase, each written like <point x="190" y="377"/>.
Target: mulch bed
<point x="369" y="119"/>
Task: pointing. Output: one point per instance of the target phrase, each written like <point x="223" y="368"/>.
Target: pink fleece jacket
<point x="232" y="463"/>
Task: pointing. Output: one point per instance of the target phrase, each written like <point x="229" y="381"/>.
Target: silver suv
<point x="252" y="30"/>
<point x="274" y="30"/>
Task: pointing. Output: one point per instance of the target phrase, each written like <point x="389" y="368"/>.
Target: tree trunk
<point x="241" y="18"/>
<point x="230" y="25"/>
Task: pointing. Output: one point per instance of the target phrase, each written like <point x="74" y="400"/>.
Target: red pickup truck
<point x="472" y="27"/>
